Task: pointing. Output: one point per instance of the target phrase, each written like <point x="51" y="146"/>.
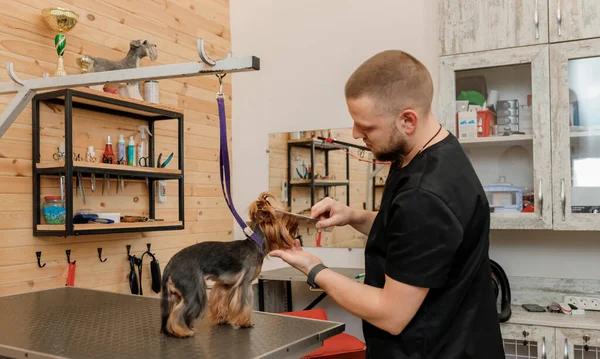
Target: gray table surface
<point x="292" y="274"/>
<point x="72" y="322"/>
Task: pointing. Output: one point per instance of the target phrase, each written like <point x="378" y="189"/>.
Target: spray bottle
<point x="143" y="149"/>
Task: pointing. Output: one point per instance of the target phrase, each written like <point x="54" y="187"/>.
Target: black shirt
<point x="432" y="231"/>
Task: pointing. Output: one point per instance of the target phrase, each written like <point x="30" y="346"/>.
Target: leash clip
<point x="248" y="232"/>
<point x="220" y="77"/>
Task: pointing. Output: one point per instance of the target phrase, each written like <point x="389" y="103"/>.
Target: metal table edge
<point x="12" y="352"/>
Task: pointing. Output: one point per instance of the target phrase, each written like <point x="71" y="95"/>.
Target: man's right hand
<point x="331" y="213"/>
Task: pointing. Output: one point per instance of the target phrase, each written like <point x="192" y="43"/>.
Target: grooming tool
<point x="93" y="182"/>
<point x="133" y="281"/>
<point x="298" y="216"/>
<point x="122" y="185"/>
<point x="305" y="219"/>
<point x="144" y="162"/>
<point x="80" y="180"/>
<point x="118" y="183"/>
<point x="134" y="219"/>
<point x="159" y="165"/>
<point x="62" y="190"/>
<point x="82" y="218"/>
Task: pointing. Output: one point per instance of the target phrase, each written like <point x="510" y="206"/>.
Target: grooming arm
<point x="26" y="89"/>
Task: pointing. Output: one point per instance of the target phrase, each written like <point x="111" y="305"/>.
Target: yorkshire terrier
<point x="231" y="265"/>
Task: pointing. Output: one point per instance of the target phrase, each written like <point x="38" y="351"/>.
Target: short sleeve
<point x="422" y="238"/>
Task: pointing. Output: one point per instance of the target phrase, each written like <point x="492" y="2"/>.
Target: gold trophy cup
<point x="61" y="20"/>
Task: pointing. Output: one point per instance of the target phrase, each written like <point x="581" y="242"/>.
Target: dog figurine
<point x="231" y="265"/>
<point x="138" y="49"/>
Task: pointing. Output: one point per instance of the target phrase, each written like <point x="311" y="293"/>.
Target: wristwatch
<point x="313" y="273"/>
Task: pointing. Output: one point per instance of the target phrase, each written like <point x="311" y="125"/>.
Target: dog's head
<point x="279" y="230"/>
<point x="143" y="48"/>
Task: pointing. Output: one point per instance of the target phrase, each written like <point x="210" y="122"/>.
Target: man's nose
<point x="356" y="133"/>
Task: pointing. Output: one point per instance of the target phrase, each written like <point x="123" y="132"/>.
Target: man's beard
<point x="394" y="150"/>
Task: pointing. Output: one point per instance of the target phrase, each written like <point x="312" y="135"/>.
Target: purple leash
<point x="225" y="171"/>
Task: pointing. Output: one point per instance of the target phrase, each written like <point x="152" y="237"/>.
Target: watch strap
<point x="313" y="273"/>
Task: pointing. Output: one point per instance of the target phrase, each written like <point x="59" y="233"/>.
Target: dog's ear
<point x="135" y="44"/>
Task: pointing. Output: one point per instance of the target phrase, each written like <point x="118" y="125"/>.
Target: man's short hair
<point x="395" y="80"/>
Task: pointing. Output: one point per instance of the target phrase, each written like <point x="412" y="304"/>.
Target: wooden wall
<point x="345" y="237"/>
<point x="105" y="29"/>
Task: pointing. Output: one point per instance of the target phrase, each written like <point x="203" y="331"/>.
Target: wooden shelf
<point x="498" y="140"/>
<point x="122" y="227"/>
<point x="115" y="102"/>
<point x="306" y="182"/>
<point x="578" y="134"/>
<point x="104" y="168"/>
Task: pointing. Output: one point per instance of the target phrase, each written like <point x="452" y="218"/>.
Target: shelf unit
<point x="97" y="101"/>
<point x="313" y="145"/>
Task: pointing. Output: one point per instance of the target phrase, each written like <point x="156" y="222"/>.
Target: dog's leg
<point x="218" y="302"/>
<point x="175" y="323"/>
<point x="196" y="305"/>
<point x="243" y="316"/>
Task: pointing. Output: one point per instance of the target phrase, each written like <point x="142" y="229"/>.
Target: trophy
<point x="61" y="20"/>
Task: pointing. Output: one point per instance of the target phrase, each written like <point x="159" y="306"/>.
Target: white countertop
<point x="589" y="320"/>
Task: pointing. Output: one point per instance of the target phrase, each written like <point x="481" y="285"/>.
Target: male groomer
<point x="427" y="292"/>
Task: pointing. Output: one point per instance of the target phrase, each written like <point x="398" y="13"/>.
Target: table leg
<point x="288" y="288"/>
<point x="316" y="301"/>
<point x="261" y="295"/>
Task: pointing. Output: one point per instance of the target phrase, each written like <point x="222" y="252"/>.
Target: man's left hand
<point x="297" y="258"/>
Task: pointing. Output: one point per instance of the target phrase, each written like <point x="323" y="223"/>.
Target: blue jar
<point x="54" y="211"/>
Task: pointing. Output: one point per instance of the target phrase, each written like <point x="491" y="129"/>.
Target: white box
<point x="467" y="124"/>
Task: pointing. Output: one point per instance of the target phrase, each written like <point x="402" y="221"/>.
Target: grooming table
<point x="71" y="322"/>
<point x="289" y="274"/>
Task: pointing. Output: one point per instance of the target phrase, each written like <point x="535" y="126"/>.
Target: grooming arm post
<point x="371" y="173"/>
<point x="26" y="89"/>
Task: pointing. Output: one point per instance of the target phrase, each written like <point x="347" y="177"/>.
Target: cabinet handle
<point x="559" y="18"/>
<point x="541" y="199"/>
<point x="566" y="353"/>
<point x="543" y="347"/>
<point x="536" y="21"/>
<point x="563" y="201"/>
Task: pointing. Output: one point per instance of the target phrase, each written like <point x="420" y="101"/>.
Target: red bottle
<point x="109" y="155"/>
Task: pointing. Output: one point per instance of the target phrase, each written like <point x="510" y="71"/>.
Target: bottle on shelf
<point x="131" y="152"/>
<point x="142" y="148"/>
<point x="121" y="148"/>
<point x="109" y="155"/>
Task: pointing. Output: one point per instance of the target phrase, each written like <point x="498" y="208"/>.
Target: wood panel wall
<point x="345" y="237"/>
<point x="105" y="29"/>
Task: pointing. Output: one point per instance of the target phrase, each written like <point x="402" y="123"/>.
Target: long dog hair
<point x="231" y="265"/>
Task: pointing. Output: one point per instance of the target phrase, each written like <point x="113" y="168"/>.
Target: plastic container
<point x="486" y="120"/>
<point x="121" y="149"/>
<point x="53" y="210"/>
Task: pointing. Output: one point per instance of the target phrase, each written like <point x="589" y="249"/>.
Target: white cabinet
<point x="573" y="19"/>
<point x="575" y="104"/>
<point x="478" y="25"/>
<point x="523" y="159"/>
<point x="546" y="97"/>
<point x="577" y="344"/>
<point x="528" y="342"/>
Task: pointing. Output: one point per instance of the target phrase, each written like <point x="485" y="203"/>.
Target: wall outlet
<point x="586" y="303"/>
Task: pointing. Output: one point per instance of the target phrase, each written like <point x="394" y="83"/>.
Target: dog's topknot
<point x="279" y="230"/>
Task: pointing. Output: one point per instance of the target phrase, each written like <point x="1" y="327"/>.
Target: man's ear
<point x="408" y="119"/>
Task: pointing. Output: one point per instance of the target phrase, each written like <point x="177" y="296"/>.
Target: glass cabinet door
<point x="575" y="88"/>
<point x="497" y="104"/>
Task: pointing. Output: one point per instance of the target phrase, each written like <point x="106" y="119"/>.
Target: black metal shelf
<point x="112" y="104"/>
<point x="312" y="183"/>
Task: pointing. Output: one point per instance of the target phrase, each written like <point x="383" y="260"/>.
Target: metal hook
<point x="11" y="73"/>
<point x="68" y="251"/>
<point x="100" y="255"/>
<point x="220" y="77"/>
<point x="128" y="250"/>
<point x="148" y="246"/>
<point x="203" y="55"/>
<point x="39" y="256"/>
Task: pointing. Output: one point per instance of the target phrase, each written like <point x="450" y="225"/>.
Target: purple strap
<point x="226" y="176"/>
